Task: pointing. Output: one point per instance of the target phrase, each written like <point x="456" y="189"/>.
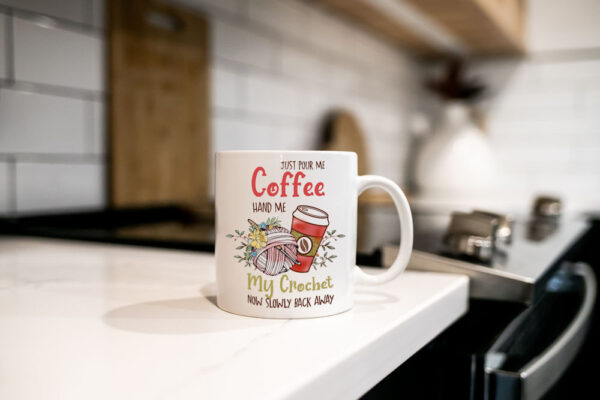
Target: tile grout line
<point x="10" y="47"/>
<point x="88" y="16"/>
<point x="49" y="158"/>
<point x="242" y="71"/>
<point x="52" y="90"/>
<point x="88" y="115"/>
<point x="54" y="21"/>
<point x="12" y="184"/>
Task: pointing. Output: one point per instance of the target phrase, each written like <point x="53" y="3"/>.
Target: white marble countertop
<point x="94" y="321"/>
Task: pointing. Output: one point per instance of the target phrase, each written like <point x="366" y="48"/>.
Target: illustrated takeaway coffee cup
<point x="285" y="237"/>
<point x="309" y="225"/>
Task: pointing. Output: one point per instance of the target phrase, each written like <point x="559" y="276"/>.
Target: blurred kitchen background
<point x="130" y="112"/>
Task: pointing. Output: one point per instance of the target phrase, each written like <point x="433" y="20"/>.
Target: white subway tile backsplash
<point x="277" y="68"/>
<point x="98" y="121"/>
<point x="541" y="99"/>
<point x="570" y="72"/>
<point x="317" y="101"/>
<point x="365" y="111"/>
<point x="534" y="115"/>
<point x="39" y="123"/>
<point x="390" y="166"/>
<point x="305" y="66"/>
<point x="544" y="124"/>
<point x="49" y="186"/>
<point x="296" y="137"/>
<point x="563" y="25"/>
<point x="369" y="51"/>
<point x="544" y="129"/>
<point x="506" y="75"/>
<point x="232" y="6"/>
<point x="325" y="31"/>
<point x="286" y="17"/>
<point x="391" y="121"/>
<point x="3" y="47"/>
<point x="226" y="88"/>
<point x="589" y="102"/>
<point x="586" y="158"/>
<point x="236" y="43"/>
<point x="236" y="134"/>
<point x="54" y="56"/>
<point x="588" y="140"/>
<point x="72" y="10"/>
<point x="394" y="148"/>
<point x="5" y="188"/>
<point x="98" y="13"/>
<point x="346" y="78"/>
<point x="272" y="95"/>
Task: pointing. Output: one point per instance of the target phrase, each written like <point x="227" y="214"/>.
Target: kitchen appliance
<point x="476" y="244"/>
<point x="458" y="161"/>
<point x="531" y="304"/>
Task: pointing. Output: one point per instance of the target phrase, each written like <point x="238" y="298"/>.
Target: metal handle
<point x="533" y="380"/>
<point x="542" y="372"/>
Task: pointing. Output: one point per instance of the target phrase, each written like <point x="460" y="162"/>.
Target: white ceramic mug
<point x="286" y="232"/>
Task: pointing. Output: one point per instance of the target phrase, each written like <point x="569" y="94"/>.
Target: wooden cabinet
<point x="438" y="27"/>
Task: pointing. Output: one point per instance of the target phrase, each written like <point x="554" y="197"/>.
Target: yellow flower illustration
<point x="259" y="239"/>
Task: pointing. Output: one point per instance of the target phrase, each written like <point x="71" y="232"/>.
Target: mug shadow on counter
<point x="189" y="315"/>
<point x="366" y="300"/>
<point x="193" y="315"/>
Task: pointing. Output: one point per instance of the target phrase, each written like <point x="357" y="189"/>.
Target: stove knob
<point x="547" y="207"/>
<point x="504" y="232"/>
<point x="471" y="234"/>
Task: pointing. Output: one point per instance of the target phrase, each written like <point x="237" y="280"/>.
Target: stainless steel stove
<point x="531" y="302"/>
<point x="505" y="258"/>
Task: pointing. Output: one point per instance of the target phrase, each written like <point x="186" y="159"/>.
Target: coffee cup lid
<point x="312" y="215"/>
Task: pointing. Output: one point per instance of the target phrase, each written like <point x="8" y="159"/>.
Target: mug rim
<point x="284" y="151"/>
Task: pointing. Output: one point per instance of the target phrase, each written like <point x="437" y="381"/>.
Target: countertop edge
<point x="441" y="312"/>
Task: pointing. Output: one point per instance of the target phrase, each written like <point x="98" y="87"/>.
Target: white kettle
<point x="457" y="161"/>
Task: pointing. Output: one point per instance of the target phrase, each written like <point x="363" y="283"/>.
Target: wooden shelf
<point x="479" y="27"/>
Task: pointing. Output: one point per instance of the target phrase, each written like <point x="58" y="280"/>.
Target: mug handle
<point x="406" y="229"/>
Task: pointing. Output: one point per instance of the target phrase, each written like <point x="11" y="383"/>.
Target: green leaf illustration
<point x="229" y="235"/>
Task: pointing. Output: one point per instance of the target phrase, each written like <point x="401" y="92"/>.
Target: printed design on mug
<point x="273" y="249"/>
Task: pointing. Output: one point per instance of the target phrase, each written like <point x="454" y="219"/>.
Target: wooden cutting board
<point x="158" y="113"/>
<point x="343" y="132"/>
